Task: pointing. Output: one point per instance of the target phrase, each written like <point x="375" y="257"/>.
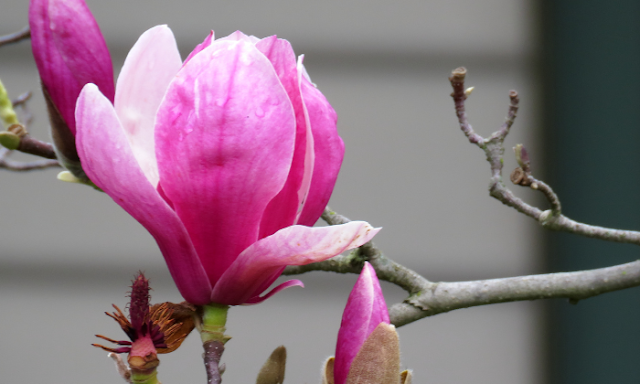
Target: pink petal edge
<point x="284" y="209"/>
<point x="328" y="150"/>
<point x="207" y="42"/>
<point x="280" y="287"/>
<point x="145" y="76"/>
<point x="295" y="245"/>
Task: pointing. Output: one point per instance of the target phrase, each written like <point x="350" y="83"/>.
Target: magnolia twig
<point x="21" y="102"/>
<point x="428" y="298"/>
<point x="386" y="269"/>
<point x="445" y="296"/>
<point x="22" y="99"/>
<point x="494" y="150"/>
<point x="22" y="34"/>
<point x="213" y="350"/>
<point x="19" y="166"/>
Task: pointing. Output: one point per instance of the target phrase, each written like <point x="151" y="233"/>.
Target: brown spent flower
<point x="158" y="329"/>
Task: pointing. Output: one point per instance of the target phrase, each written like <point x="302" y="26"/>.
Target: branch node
<point x="520" y="177"/>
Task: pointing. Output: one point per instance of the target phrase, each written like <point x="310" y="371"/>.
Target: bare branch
<point x="428" y="298"/>
<point x="445" y="297"/>
<point x="494" y="150"/>
<point x="22" y="99"/>
<point x="19" y="166"/>
<point x="23" y="34"/>
<point x="17" y="138"/>
<point x="21" y="102"/>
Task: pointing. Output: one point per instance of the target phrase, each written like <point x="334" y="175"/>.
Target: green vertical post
<point x="591" y="62"/>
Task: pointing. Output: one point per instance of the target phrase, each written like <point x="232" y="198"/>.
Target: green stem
<point x="214" y="320"/>
<point x="144" y="377"/>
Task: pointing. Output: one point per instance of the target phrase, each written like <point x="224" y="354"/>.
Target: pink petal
<point x="283" y="210"/>
<point x="239" y="36"/>
<point x="109" y="162"/>
<point x="224" y="143"/>
<point x="365" y="309"/>
<point x="328" y="148"/>
<point x="207" y="42"/>
<point x="69" y="51"/>
<point x="148" y="69"/>
<point x="295" y="245"/>
<point x="280" y="287"/>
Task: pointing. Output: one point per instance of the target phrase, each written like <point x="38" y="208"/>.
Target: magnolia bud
<point x="522" y="157"/>
<point x="378" y="361"/>
<point x="272" y="371"/>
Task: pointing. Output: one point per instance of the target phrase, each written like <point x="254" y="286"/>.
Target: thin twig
<point x="19" y="166"/>
<point x="428" y="298"/>
<point x="22" y="99"/>
<point x="21" y="102"/>
<point x="23" y="34"/>
<point x="494" y="150"/>
<point x="33" y="146"/>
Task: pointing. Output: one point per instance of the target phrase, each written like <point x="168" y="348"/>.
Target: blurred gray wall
<point x="68" y="252"/>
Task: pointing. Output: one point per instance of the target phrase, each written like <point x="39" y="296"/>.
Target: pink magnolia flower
<point x="69" y="51"/>
<point x="364" y="312"/>
<point x="226" y="160"/>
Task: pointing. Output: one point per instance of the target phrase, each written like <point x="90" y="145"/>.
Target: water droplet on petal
<point x="259" y="112"/>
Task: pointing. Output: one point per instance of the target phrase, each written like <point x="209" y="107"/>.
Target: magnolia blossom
<point x="226" y="159"/>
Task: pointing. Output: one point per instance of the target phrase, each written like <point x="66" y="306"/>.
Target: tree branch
<point x="494" y="150"/>
<point x="445" y="297"/>
<point x="23" y="34"/>
<point x="427" y="298"/>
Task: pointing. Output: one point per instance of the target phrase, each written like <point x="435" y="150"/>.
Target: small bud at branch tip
<point x="9" y="140"/>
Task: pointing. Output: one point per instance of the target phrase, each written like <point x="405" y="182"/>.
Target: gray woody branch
<point x="22" y="34"/>
<point x="19" y="166"/>
<point x="428" y="298"/>
<point x="493" y="147"/>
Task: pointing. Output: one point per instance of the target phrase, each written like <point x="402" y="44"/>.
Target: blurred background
<point x="68" y="252"/>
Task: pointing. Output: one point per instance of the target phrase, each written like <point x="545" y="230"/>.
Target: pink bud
<point x="365" y="310"/>
<point x="70" y="52"/>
